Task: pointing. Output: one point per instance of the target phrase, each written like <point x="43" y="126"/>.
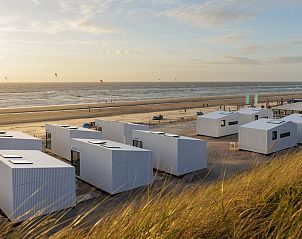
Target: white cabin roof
<point x="264" y="124"/>
<point x="251" y="111"/>
<point x="30" y="159"/>
<point x="217" y="114"/>
<point x="168" y="135"/>
<point x="296" y="118"/>
<point x="120" y="122"/>
<point x="111" y="145"/>
<point x="16" y="135"/>
<point x="71" y="127"/>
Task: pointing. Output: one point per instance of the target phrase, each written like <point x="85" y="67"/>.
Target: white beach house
<point x="18" y="140"/>
<point x="252" y="114"/>
<point x="33" y="183"/>
<point x="172" y="153"/>
<point x="58" y="138"/>
<point x="218" y="123"/>
<point x="118" y="131"/>
<point x="111" y="166"/>
<point x="267" y="136"/>
<point x="297" y="119"/>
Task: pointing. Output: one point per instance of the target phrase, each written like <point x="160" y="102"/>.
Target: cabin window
<point x="76" y="161"/>
<point x="99" y="128"/>
<point x="233" y="122"/>
<point x="264" y="117"/>
<point x="48" y="140"/>
<point x="284" y="135"/>
<point x="222" y="123"/>
<point x="256" y="117"/>
<point x="274" y="135"/>
<point x="137" y="143"/>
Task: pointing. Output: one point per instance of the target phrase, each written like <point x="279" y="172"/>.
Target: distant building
<point x="172" y="153"/>
<point x="251" y="114"/>
<point x="297" y="119"/>
<point x="58" y="138"/>
<point x="118" y="131"/>
<point x="218" y="123"/>
<point x="267" y="136"/>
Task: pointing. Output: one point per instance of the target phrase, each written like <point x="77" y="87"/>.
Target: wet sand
<point x="65" y="112"/>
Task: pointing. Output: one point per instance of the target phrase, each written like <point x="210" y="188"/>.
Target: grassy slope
<point x="264" y="203"/>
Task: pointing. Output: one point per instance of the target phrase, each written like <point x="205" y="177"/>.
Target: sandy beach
<point x="14" y="116"/>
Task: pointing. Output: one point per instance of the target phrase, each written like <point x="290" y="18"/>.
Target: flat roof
<point x="294" y="106"/>
<point x="31" y="159"/>
<point x="250" y="111"/>
<point x="121" y="122"/>
<point x="72" y="127"/>
<point x="296" y="118"/>
<point x="217" y="114"/>
<point x="16" y="135"/>
<point x="264" y="124"/>
<point x="168" y="135"/>
<point x="108" y="144"/>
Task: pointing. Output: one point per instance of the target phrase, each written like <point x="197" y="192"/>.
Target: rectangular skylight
<point x="276" y="121"/>
<point x="157" y="132"/>
<point x="111" y="146"/>
<point x="97" y="142"/>
<point x="20" y="161"/>
<point x="64" y="125"/>
<point x="5" y="136"/>
<point x="2" y="132"/>
<point x="226" y="113"/>
<point x="73" y="127"/>
<point x="172" y="135"/>
<point x="11" y="156"/>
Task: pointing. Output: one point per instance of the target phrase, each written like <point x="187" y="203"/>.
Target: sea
<point x="14" y="95"/>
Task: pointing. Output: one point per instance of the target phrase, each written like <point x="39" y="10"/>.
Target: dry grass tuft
<point x="263" y="203"/>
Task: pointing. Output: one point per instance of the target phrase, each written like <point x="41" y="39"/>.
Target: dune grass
<point x="263" y="203"/>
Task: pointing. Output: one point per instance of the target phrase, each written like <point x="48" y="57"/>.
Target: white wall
<point x="260" y="140"/>
<point x="20" y="144"/>
<point x="265" y="113"/>
<point x="118" y="131"/>
<point x="174" y="155"/>
<point x="27" y="191"/>
<point x="60" y="138"/>
<point x="282" y="143"/>
<point x="212" y="127"/>
<point x="113" y="171"/>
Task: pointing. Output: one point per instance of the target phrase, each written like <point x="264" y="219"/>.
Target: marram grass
<point x="263" y="203"/>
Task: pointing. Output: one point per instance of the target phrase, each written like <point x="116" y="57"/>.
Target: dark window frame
<point x="137" y="143"/>
<point x="274" y="135"/>
<point x="76" y="161"/>
<point x="48" y="140"/>
<point x="233" y="123"/>
<point x="285" y="135"/>
<point x="222" y="123"/>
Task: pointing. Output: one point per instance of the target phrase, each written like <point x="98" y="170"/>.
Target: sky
<point x="147" y="40"/>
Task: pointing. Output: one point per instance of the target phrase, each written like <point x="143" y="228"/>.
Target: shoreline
<point x="81" y="111"/>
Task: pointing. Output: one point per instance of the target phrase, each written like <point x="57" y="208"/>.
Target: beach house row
<point x="223" y="123"/>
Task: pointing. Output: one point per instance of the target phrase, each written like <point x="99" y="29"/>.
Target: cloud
<point x="286" y="60"/>
<point x="229" y="60"/>
<point x="230" y="37"/>
<point x="80" y="25"/>
<point x="125" y="52"/>
<point x="36" y="2"/>
<point x="215" y="12"/>
<point x="209" y="13"/>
